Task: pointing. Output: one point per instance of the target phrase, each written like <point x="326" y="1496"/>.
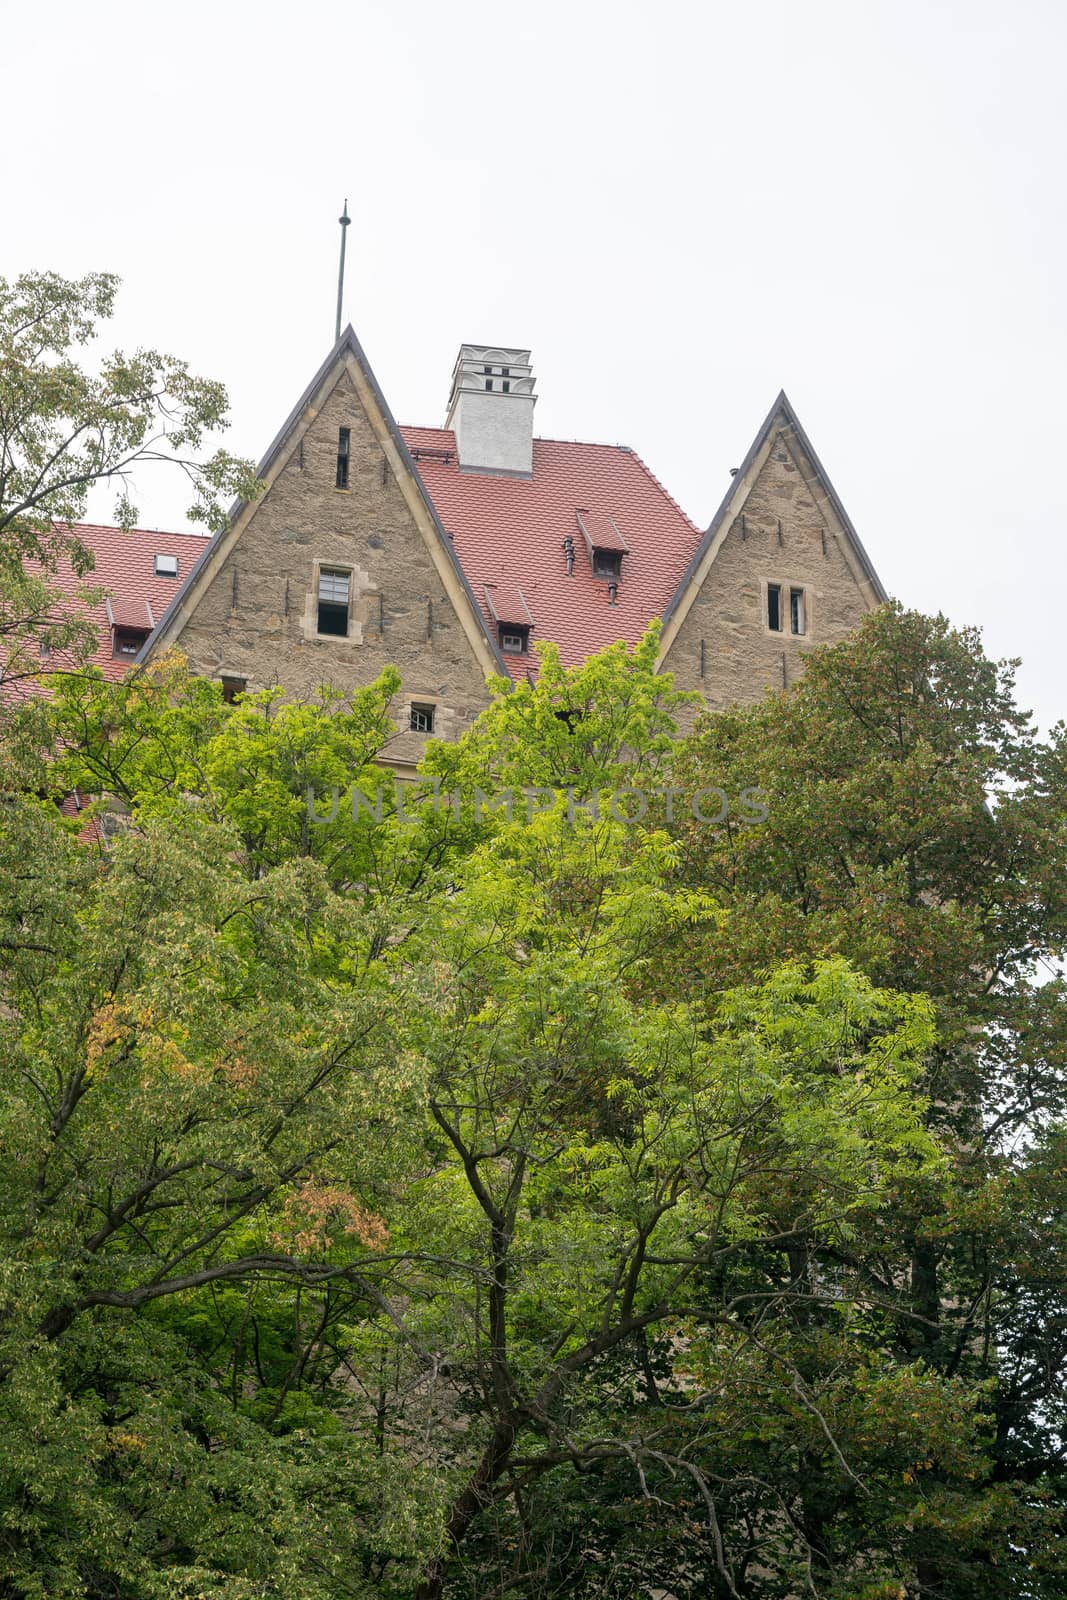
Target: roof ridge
<point x="112" y="527"/>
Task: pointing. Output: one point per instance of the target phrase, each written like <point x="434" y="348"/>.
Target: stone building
<point x="449" y="552"/>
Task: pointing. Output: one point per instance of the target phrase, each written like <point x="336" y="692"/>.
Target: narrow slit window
<point x="344" y="439"/>
<point x="797" y="619"/>
<point x="774" y="607"/>
<point x="333" y="601"/>
<point x="422" y="719"/>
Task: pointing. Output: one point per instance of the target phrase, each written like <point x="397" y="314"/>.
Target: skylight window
<point x="166" y="566"/>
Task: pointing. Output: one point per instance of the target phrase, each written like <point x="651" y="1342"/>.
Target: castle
<point x="449" y="552"/>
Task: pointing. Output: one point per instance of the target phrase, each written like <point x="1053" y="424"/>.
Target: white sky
<point x="679" y="207"/>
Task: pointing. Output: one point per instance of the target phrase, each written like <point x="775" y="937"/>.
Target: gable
<point x="250" y="611"/>
<point x="781" y="538"/>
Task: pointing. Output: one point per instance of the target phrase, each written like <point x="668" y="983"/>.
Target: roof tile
<point x="509" y="533"/>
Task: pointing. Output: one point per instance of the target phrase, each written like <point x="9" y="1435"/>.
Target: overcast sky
<point x="680" y="208"/>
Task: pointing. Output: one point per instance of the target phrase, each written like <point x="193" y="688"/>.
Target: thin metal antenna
<point x="344" y="219"/>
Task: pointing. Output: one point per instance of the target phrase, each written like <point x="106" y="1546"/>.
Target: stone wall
<point x="781" y="530"/>
<point x="257" y="618"/>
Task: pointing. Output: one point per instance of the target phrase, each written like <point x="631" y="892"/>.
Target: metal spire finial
<point x="344" y="219"/>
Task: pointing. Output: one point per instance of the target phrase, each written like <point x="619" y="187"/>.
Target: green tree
<point x="65" y="429"/>
<point x="461" y="1206"/>
<point x="918" y="824"/>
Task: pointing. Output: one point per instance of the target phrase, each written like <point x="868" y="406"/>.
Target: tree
<point x="195" y="1094"/>
<point x="417" y="1201"/>
<point x="918" y="823"/>
<point x="65" y="430"/>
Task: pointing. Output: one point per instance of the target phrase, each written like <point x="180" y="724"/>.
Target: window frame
<point x="426" y="710"/>
<point x="344" y="456"/>
<point x="134" y="637"/>
<point x="231" y="687"/>
<point x="789" y="591"/>
<point x="328" y="571"/>
<point x="607" y="565"/>
<point x="514" y="630"/>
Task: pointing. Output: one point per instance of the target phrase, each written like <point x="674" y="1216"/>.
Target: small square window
<point x="797" y="617"/>
<point x="774" y="607"/>
<point x="166" y="566"/>
<point x="422" y="719"/>
<point x="514" y="641"/>
<point x="232" y="687"/>
<point x="333" y="601"/>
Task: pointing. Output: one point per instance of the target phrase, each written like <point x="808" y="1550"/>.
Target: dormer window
<point x="166" y="566"/>
<point x="607" y="564"/>
<point x="514" y="619"/>
<point x="605" y="543"/>
<point x="126" y="642"/>
<point x="514" y="641"/>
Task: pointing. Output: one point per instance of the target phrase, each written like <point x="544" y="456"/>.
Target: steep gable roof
<point x="781" y="424"/>
<point x="347" y="353"/>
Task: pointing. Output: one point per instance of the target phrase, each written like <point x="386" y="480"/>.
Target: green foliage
<point x="466" y="1206"/>
<point x="605" y="724"/>
<point x="66" y="427"/>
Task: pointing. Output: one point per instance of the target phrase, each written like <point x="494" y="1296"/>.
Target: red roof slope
<point x="136" y="597"/>
<point x="509" y="532"/>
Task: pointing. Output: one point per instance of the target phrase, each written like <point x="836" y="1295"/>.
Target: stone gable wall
<point x="258" y="618"/>
<point x="742" y="657"/>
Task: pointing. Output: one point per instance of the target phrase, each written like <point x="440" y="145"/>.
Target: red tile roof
<point x="509" y="532"/>
<point x="135" y="596"/>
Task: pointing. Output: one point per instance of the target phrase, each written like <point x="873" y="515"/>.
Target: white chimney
<point x="491" y="410"/>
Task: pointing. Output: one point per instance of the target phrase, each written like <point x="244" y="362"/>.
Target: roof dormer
<point x="604" y="542"/>
<point x="513" y="618"/>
